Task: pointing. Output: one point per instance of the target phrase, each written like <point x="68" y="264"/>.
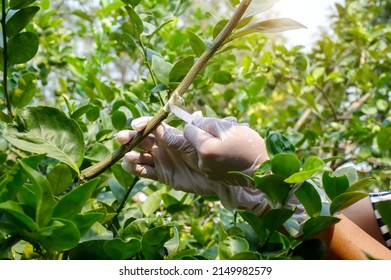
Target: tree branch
<point x="5" y="58"/>
<point x="99" y="168"/>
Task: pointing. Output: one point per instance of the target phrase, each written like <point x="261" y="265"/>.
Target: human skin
<point x="356" y="236"/>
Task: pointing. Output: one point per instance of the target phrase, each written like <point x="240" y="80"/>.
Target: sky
<point x="314" y="14"/>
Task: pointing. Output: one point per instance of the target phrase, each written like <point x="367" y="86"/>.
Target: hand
<point x="180" y="160"/>
<point x="223" y="146"/>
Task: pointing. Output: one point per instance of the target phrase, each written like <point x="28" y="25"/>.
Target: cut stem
<point x="99" y="168"/>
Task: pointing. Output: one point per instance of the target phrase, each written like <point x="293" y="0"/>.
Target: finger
<point x="140" y="123"/>
<point x="139" y="158"/>
<point x="214" y="126"/>
<point x="231" y="119"/>
<point x="197" y="114"/>
<point x="196" y="136"/>
<point x="145" y="171"/>
<point x="171" y="137"/>
<point x="125" y="136"/>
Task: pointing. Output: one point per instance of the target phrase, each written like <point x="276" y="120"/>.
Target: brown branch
<point x="303" y="118"/>
<point x="99" y="168"/>
<point x="5" y="59"/>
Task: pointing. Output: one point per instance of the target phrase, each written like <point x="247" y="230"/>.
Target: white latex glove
<point x="198" y="159"/>
<point x="223" y="146"/>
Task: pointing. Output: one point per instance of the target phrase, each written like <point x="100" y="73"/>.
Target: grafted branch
<point x="99" y="168"/>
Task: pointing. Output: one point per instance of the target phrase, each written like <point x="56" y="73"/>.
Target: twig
<point x="5" y="58"/>
<point x="121" y="206"/>
<point x="99" y="168"/>
<point x="326" y="97"/>
<point x="305" y="115"/>
<point x="356" y="105"/>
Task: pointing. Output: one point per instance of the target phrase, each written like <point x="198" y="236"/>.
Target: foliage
<point x="76" y="72"/>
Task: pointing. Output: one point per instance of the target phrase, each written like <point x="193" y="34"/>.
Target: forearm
<point x="362" y="214"/>
<point x="347" y="241"/>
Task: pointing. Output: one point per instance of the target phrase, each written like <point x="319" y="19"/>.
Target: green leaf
<point x="181" y="68"/>
<point x="309" y="197"/>
<point x="60" y="178"/>
<point x="172" y="245"/>
<point x="80" y="111"/>
<point x="117" y="249"/>
<point x="117" y="189"/>
<point x="333" y="185"/>
<point x="346" y="199"/>
<point x="277" y="143"/>
<point x="273" y="186"/>
<point x="153" y="242"/>
<point x="311" y="166"/>
<point x="361" y="184"/>
<point x="24" y="93"/>
<point x="169" y="200"/>
<point x="161" y="68"/>
<point x="43" y="191"/>
<point x="384" y="208"/>
<point x="255" y="222"/>
<point x="97" y="232"/>
<point x="137" y="228"/>
<point x="234" y="2"/>
<point x="135" y="20"/>
<point x="275" y="218"/>
<point x="27" y="196"/>
<point x="46" y="130"/>
<point x="313" y="163"/>
<point x="222" y="77"/>
<point x="20" y="20"/>
<point x="72" y="203"/>
<point x="90" y="250"/>
<point x="250" y="255"/>
<point x="22" y="47"/>
<point x="18" y="4"/>
<point x="285" y="164"/>
<point x="232" y="246"/>
<point x="349" y="171"/>
<point x="133" y="3"/>
<point x="218" y="27"/>
<point x="123" y="177"/>
<point x="118" y="119"/>
<point x="383" y="139"/>
<point x="152" y="203"/>
<point x="17" y="212"/>
<point x="198" y="46"/>
<point x="59" y="235"/>
<point x="318" y="224"/>
<point x="85" y="220"/>
<point x="98" y="152"/>
<point x="104" y="90"/>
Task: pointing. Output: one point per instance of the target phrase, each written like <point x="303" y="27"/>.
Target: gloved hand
<point x="223" y="146"/>
<point x="198" y="160"/>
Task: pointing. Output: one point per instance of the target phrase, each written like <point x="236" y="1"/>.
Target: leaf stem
<point x="121" y="206"/>
<point x="5" y="58"/>
<point x="99" y="168"/>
